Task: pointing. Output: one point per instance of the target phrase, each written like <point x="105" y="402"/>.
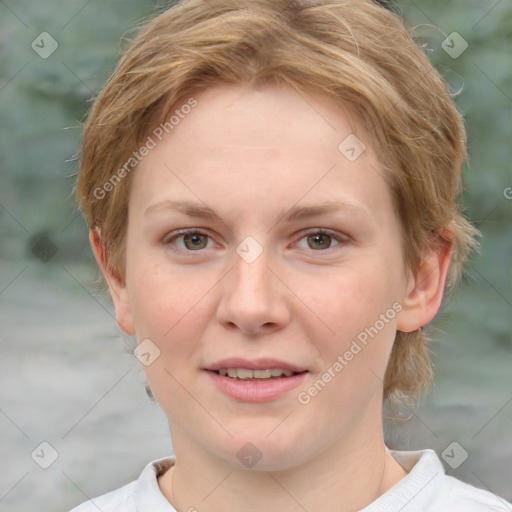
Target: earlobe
<point x="117" y="287"/>
<point x="425" y="292"/>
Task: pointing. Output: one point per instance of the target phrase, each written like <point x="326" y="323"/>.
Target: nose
<point x="254" y="299"/>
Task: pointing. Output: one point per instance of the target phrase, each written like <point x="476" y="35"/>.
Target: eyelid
<point x="340" y="238"/>
<point x="179" y="232"/>
<point x="170" y="237"/>
<point x="334" y="234"/>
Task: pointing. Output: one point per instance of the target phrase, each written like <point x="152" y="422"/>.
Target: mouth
<point x="255" y="381"/>
<point x="248" y="374"/>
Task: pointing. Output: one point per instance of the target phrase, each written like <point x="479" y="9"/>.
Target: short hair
<point x="356" y="53"/>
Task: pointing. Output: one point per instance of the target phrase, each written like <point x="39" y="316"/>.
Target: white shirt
<point x="426" y="488"/>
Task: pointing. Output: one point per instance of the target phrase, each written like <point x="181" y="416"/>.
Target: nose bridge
<point x="251" y="277"/>
<point x="251" y="298"/>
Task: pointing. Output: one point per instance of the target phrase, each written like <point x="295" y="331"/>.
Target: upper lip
<point x="255" y="364"/>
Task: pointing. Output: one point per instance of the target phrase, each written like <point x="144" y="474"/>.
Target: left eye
<point x="192" y="240"/>
<point x="320" y="240"/>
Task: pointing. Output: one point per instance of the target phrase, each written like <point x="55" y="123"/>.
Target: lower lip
<point x="256" y="390"/>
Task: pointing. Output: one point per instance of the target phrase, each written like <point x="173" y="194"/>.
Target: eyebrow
<point x="199" y="210"/>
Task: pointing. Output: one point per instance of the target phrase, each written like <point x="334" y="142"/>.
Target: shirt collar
<point x="148" y="496"/>
<point x="419" y="487"/>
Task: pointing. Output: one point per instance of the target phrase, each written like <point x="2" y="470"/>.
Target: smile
<point x="245" y="385"/>
<point x="245" y="373"/>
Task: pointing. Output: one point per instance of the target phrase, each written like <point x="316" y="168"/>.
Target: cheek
<point x="350" y="300"/>
<point x="357" y="306"/>
<point x="162" y="299"/>
<point x="172" y="310"/>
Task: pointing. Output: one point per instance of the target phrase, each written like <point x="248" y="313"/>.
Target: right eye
<point x="192" y="240"/>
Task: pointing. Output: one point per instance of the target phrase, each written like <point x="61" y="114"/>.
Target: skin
<point x="251" y="155"/>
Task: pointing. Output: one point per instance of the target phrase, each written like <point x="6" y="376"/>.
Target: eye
<point x="193" y="239"/>
<point x="319" y="240"/>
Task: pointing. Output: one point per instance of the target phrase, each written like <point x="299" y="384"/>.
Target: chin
<point x="257" y="450"/>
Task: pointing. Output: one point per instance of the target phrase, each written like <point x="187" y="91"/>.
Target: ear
<point x="425" y="290"/>
<point x="116" y="285"/>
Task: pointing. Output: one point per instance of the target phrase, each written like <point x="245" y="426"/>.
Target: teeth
<point x="276" y="372"/>
<point x="262" y="374"/>
<point x="244" y="373"/>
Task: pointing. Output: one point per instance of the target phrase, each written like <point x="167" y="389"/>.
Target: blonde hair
<point x="354" y="52"/>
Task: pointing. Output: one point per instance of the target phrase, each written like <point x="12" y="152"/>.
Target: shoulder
<point x="465" y="497"/>
<point x="427" y="488"/>
<point x="141" y="494"/>
<point x="120" y="500"/>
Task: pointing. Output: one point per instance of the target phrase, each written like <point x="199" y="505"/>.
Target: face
<point x="286" y="257"/>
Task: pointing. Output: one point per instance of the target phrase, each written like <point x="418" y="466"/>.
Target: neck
<point x="346" y="477"/>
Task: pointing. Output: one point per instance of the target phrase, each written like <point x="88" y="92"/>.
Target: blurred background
<point x="75" y="420"/>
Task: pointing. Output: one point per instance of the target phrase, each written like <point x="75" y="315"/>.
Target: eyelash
<point x="314" y="231"/>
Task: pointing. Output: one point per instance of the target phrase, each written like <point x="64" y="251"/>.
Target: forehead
<point x="273" y="143"/>
<point x="264" y="117"/>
